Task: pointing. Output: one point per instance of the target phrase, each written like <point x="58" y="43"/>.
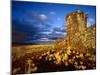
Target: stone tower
<point x="76" y="25"/>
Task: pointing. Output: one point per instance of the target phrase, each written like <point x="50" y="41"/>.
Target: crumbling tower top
<point x="76" y="23"/>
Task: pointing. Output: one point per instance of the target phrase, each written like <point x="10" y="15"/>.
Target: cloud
<point x="38" y="28"/>
<point x="43" y="17"/>
<point x="90" y="21"/>
<point x="52" y="12"/>
<point x="46" y="32"/>
<point x="44" y="39"/>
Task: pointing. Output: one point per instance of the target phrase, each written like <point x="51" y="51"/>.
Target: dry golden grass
<point x="37" y="55"/>
<point x="18" y="51"/>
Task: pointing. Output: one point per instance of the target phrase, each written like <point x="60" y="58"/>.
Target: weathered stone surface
<point x="78" y="34"/>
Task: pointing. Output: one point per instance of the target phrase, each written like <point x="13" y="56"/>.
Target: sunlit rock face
<point x="91" y="37"/>
<point x="76" y="26"/>
<point x="76" y="22"/>
<point x="78" y="35"/>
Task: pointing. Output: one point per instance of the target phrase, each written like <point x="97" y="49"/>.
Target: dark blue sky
<point x="43" y="22"/>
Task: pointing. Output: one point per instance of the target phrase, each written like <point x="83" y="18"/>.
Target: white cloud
<point x="43" y="17"/>
<point x="47" y="32"/>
